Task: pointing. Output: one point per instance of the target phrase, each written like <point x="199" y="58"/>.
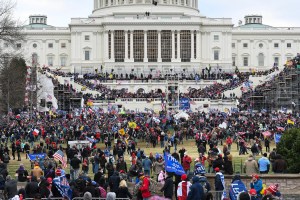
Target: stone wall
<point x="288" y="183"/>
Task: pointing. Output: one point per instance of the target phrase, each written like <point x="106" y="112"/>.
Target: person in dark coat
<point x="121" y="165"/>
<point x="167" y="189"/>
<point x="22" y="173"/>
<point x="279" y="165"/>
<point x="218" y="163"/>
<point x="32" y="188"/>
<point x="10" y="188"/>
<point x="114" y="182"/>
<point x="219" y="187"/>
<point x="123" y="191"/>
<point x="228" y="163"/>
<point x="196" y="190"/>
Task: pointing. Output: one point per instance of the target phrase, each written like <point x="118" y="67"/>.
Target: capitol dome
<point x="110" y="7"/>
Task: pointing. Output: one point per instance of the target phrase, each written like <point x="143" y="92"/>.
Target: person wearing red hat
<point x="183" y="188"/>
<point x="145" y="188"/>
<point x="219" y="183"/>
<point x="272" y="191"/>
<point x="256" y="184"/>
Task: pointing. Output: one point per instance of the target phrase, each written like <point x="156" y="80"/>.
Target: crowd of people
<point x="118" y="161"/>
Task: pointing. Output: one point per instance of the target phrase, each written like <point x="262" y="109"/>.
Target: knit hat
<point x="49" y="180"/>
<point x="58" y="172"/>
<point x="183" y="177"/>
<point x="273" y="188"/>
<point x="87" y="196"/>
<point x="255" y="176"/>
<point x="217" y="169"/>
<point x="252" y="192"/>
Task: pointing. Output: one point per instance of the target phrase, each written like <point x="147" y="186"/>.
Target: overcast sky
<point x="275" y="13"/>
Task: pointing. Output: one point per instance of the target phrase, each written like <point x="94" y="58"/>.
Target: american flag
<point x="59" y="155"/>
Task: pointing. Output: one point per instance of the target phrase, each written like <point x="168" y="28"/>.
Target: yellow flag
<point x="290" y="122"/>
<point x="121" y="131"/>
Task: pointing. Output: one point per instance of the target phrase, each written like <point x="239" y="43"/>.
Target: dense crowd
<point x="214" y="134"/>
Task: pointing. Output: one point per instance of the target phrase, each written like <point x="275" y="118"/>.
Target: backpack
<point x="6" y="158"/>
<point x="102" y="192"/>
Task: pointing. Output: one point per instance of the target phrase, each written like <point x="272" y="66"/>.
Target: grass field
<point x="189" y="145"/>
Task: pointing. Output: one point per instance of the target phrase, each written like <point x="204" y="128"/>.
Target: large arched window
<point x="261" y="60"/>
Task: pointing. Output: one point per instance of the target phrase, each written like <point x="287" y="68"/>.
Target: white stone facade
<point x="126" y="35"/>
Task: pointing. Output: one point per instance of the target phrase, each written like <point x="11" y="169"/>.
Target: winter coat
<point x="196" y="190"/>
<point x="257" y="185"/>
<point x="186" y="162"/>
<point x="114" y="182"/>
<point x="158" y="167"/>
<point x="218" y="182"/>
<point x="145" y="188"/>
<point x="147" y="164"/>
<point x="250" y="166"/>
<point x="123" y="193"/>
<point x="37" y="172"/>
<point x="168" y="188"/>
<point x="11" y="188"/>
<point x="31" y="189"/>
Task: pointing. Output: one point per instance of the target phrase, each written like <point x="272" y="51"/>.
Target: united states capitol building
<point x="149" y="36"/>
<point x="155" y="37"/>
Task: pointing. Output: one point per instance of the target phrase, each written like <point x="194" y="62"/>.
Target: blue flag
<point x="172" y="165"/>
<point x="235" y="188"/>
<point x="277" y="137"/>
<point x="199" y="169"/>
<point x="62" y="185"/>
<point x="33" y="157"/>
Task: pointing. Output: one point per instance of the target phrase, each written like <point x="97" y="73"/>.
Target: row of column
<point x="101" y="3"/>
<point x="159" y="45"/>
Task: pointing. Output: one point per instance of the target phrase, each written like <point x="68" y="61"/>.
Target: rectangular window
<point x="185" y="46"/>
<point x="50" y="61"/>
<point x="19" y="45"/>
<point x="119" y="45"/>
<point x="216" y="54"/>
<point x="288" y="45"/>
<point x="175" y="35"/>
<point x="233" y="45"/>
<point x="109" y="45"/>
<point x="86" y="55"/>
<point x="129" y="40"/>
<point x="50" y="45"/>
<point x="138" y="45"/>
<point x="276" y="60"/>
<point x="86" y="37"/>
<point x="216" y="38"/>
<point x="63" y="61"/>
<point x="166" y="46"/>
<point x="276" y="45"/>
<point x="63" y="45"/>
<point x="233" y="61"/>
<point x="245" y="61"/>
<point x="152" y="45"/>
<point x="245" y="45"/>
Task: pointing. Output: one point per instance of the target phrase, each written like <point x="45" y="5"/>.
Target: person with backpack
<point x="6" y="158"/>
<point x="22" y="174"/>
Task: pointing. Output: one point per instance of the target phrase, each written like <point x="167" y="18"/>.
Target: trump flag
<point x="172" y="165"/>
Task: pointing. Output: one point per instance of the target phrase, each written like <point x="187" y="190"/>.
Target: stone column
<point x="198" y="45"/>
<point x="131" y="46"/>
<point x="112" y="46"/>
<point x="105" y="33"/>
<point x="159" y="46"/>
<point x="145" y="47"/>
<point x="192" y="45"/>
<point x="173" y="45"/>
<point x="178" y="46"/>
<point x="126" y="46"/>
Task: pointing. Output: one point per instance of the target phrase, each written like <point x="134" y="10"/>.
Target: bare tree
<point x="10" y="28"/>
<point x="12" y="66"/>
